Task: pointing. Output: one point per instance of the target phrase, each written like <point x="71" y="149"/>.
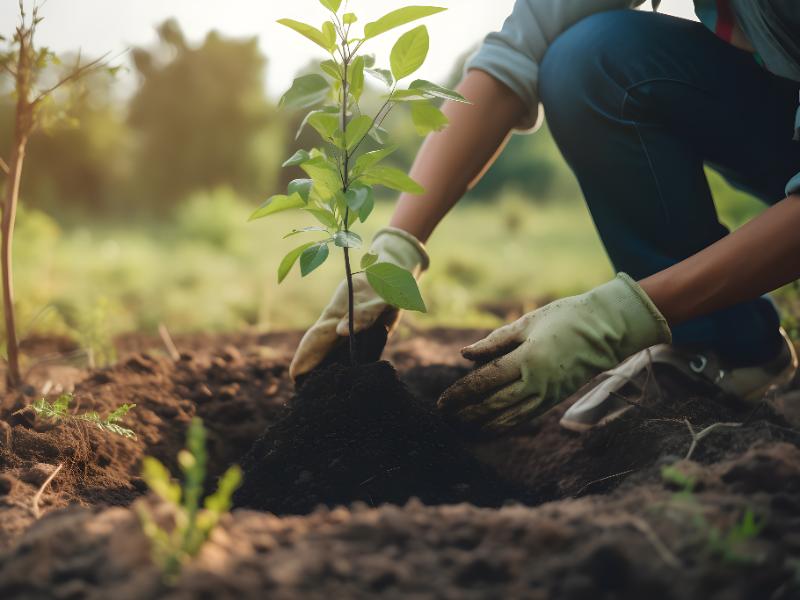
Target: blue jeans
<point x="638" y="103"/>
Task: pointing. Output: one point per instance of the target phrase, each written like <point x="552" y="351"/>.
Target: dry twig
<point x="172" y="349"/>
<point x="38" y="496"/>
<point x="696" y="437"/>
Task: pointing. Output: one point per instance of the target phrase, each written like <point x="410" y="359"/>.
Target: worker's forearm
<point x="450" y="161"/>
<point x="759" y="257"/>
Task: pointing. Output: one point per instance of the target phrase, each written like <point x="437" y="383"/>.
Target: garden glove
<point x="546" y="355"/>
<point x="392" y="245"/>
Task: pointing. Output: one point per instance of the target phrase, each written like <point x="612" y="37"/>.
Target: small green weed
<point x="727" y="544"/>
<point x="193" y="525"/>
<point x="58" y="411"/>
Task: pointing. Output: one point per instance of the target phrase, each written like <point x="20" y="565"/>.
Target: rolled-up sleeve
<point x="793" y="187"/>
<point x="513" y="54"/>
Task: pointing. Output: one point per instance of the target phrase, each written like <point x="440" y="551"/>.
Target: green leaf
<point x="382" y="75"/>
<point x="356" y="197"/>
<point x="392" y="178"/>
<point x="357" y="78"/>
<point x="356" y="130"/>
<point x="409" y="52"/>
<point x="277" y="204"/>
<point x="347" y="239"/>
<point x="220" y="501"/>
<point x="313" y="257"/>
<point x="331" y="5"/>
<point x="369" y="159"/>
<point x="325" y="123"/>
<point x="323" y="216"/>
<point x="119" y="413"/>
<point x="325" y="109"/>
<point x="288" y="261"/>
<point x="159" y="480"/>
<point x="409" y="95"/>
<point x="399" y="17"/>
<point x="295" y="232"/>
<point x="366" y="209"/>
<point x="369" y="259"/>
<point x="379" y="134"/>
<point x="298" y="158"/>
<point x="329" y="31"/>
<point x="437" y="91"/>
<point x="427" y="117"/>
<point x="310" y="32"/>
<point x="395" y="285"/>
<point x="331" y="68"/>
<point x="369" y="60"/>
<point x="302" y="187"/>
<point x="306" y="91"/>
<point x="325" y="175"/>
<point x="349" y="18"/>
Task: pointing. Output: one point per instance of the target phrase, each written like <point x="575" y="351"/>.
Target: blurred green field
<point x="206" y="268"/>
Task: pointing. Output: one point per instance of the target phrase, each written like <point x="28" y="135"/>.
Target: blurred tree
<point x="81" y="163"/>
<point x="202" y="118"/>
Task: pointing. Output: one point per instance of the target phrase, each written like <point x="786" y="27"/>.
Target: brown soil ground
<point x="600" y="520"/>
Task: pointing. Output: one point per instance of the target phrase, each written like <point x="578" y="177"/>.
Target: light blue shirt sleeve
<point x="793" y="187"/>
<point x="513" y="54"/>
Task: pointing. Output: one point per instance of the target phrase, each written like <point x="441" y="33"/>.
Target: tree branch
<point x="4" y="166"/>
<point x="77" y="73"/>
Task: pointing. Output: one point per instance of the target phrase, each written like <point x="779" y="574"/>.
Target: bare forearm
<point x="451" y="161"/>
<point x="759" y="257"/>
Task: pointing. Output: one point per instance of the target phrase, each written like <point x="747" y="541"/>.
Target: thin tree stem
<point x="13" y="375"/>
<point x="346" y="182"/>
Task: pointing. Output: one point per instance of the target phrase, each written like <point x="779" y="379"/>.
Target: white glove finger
<point x="314" y="347"/>
<point x="500" y="341"/>
<point x="481" y="383"/>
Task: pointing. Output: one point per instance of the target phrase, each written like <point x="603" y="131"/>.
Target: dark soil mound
<point x="556" y="463"/>
<point x="359" y="435"/>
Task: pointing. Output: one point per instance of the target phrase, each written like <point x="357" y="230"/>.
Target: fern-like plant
<point x="173" y="548"/>
<point x="59" y="411"/>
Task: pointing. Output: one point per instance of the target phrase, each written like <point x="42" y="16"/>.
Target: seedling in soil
<point x="27" y="65"/>
<point x="58" y="411"/>
<point x="341" y="174"/>
<point x="726" y="544"/>
<point x="171" y="549"/>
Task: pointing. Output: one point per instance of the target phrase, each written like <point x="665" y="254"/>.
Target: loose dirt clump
<point x="357" y="434"/>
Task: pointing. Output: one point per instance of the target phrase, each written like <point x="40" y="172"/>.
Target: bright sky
<point x="99" y="26"/>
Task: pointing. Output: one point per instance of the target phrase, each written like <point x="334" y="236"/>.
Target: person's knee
<point x="582" y="63"/>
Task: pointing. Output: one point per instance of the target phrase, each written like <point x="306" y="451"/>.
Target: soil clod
<point x="357" y="434"/>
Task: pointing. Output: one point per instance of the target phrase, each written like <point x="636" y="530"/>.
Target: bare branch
<point x="4" y="166"/>
<point x="77" y="73"/>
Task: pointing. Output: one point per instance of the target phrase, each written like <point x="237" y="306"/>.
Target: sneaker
<point x="602" y="400"/>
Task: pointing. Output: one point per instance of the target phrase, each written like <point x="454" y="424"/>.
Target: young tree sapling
<point x="26" y="64"/>
<point x="338" y="191"/>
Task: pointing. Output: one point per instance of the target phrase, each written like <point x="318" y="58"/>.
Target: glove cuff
<point x="648" y="326"/>
<point x="402" y="248"/>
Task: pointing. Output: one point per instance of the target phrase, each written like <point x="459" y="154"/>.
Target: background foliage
<point x="135" y="212"/>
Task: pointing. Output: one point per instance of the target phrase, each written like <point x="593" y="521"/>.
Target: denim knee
<point x="590" y="64"/>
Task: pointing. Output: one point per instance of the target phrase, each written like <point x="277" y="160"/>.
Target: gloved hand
<point x="542" y="358"/>
<point x="392" y="245"/>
